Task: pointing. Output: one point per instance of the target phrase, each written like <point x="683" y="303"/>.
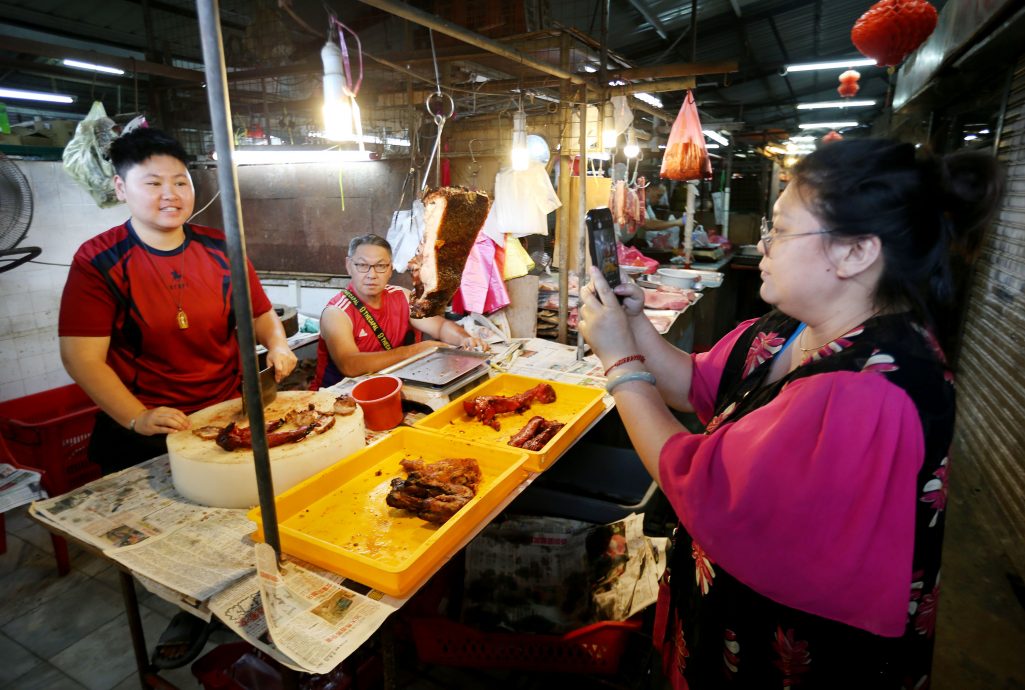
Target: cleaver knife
<point x="268" y="388"/>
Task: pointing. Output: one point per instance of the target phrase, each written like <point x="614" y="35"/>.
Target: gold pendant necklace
<point x="181" y="317"/>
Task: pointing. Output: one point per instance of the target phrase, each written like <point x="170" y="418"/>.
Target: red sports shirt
<point x="392" y="318"/>
<point x="121" y="288"/>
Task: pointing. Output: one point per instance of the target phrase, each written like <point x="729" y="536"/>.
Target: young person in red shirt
<point x="351" y="344"/>
<point x="146" y="323"/>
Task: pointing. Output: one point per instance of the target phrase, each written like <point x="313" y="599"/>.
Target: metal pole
<point x="581" y="216"/>
<point x="565" y="172"/>
<point x="220" y="116"/>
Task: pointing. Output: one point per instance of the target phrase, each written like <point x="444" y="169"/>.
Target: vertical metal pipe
<point x="565" y="171"/>
<point x="693" y="30"/>
<point x="581" y="214"/>
<point x="227" y="180"/>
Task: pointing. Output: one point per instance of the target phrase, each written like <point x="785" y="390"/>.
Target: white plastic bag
<point x="85" y="156"/>
<point x="405" y="234"/>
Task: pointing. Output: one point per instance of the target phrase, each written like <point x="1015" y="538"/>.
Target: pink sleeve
<point x="810" y="499"/>
<point x="707" y="372"/>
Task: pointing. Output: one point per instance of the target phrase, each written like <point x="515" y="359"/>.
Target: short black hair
<point x="141" y="144"/>
<point x="370" y="238"/>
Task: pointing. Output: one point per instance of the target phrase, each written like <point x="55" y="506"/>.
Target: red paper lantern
<point x="891" y="29"/>
<point x="849" y="84"/>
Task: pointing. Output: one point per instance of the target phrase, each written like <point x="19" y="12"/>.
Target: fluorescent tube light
<point x="827" y="125"/>
<point x="711" y="146"/>
<point x="648" y="98"/>
<point x="78" y="64"/>
<point x="715" y="136"/>
<point x="269" y="155"/>
<point x="35" y="96"/>
<point x="835" y="64"/>
<point x="834" y="104"/>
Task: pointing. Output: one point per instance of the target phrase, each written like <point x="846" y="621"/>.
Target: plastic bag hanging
<point x="686" y="157"/>
<point x="85" y="156"/>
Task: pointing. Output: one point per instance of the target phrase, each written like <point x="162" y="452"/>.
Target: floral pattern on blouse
<point x="880" y="362"/>
<point x="793" y="657"/>
<point x="720" y="418"/>
<point x="763" y="348"/>
<point x="704" y="573"/>
<point x="838" y="344"/>
<point x="925" y="618"/>
<point x="731" y="652"/>
<point x="917" y="585"/>
<point x="935" y="491"/>
<point x="680" y="651"/>
<point x="934" y="344"/>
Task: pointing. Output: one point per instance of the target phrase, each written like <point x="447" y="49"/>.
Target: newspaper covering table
<point x="137" y="519"/>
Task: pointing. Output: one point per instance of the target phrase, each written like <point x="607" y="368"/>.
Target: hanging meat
<point x="452" y="218"/>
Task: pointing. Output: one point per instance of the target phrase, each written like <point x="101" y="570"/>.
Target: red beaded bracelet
<point x="631" y="358"/>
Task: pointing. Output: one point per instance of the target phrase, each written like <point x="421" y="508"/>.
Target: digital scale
<point x="438" y="376"/>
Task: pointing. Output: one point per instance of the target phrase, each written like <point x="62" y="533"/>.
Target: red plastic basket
<point x="50" y="431"/>
<point x="594" y="649"/>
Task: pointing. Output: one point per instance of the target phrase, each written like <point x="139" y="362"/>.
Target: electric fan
<point x="15" y="216"/>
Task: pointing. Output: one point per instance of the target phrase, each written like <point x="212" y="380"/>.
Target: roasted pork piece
<point x="435" y="492"/>
<point x="536" y="433"/>
<point x="301" y="423"/>
<point x="452" y="218"/>
<point x="486" y="407"/>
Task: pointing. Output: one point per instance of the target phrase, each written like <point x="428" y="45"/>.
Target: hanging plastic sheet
<point x="482" y="288"/>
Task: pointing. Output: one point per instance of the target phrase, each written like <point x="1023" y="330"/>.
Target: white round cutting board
<point x="209" y="475"/>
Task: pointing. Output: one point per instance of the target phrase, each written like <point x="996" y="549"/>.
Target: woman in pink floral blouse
<point x="811" y="509"/>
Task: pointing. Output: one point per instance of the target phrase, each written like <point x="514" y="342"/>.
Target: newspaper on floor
<point x="312" y="615"/>
<point x="18" y="487"/>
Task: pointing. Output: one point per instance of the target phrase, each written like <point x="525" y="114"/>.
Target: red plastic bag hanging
<point x="686" y="157"/>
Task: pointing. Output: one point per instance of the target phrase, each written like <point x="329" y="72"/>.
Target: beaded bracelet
<point x="631" y="358"/>
<point x="645" y="376"/>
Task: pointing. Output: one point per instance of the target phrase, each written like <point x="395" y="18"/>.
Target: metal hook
<point x="440" y="113"/>
<point x="473" y="156"/>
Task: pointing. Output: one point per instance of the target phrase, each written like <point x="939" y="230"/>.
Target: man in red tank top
<point x="367" y="326"/>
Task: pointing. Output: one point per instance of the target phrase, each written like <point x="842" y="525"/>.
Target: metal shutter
<point x="990" y="433"/>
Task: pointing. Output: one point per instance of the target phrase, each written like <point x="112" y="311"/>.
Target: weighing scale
<point x="438" y="376"/>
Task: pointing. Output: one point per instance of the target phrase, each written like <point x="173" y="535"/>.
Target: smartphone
<point x="601" y="238"/>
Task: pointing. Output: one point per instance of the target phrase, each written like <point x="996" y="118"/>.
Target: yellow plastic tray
<point x="338" y="519"/>
<point x="575" y="406"/>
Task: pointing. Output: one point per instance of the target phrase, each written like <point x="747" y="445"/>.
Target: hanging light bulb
<point x="342" y="120"/>
<point x="519" y="155"/>
<point x="631" y="149"/>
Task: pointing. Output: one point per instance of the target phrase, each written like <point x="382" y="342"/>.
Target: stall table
<point x="201" y="559"/>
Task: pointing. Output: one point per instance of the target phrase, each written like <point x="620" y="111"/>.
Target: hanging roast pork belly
<point x="452" y="218"/>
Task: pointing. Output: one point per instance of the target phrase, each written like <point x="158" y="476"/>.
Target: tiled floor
<point x="70" y="633"/>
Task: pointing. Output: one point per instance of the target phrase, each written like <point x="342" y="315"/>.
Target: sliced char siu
<point x="452" y="218"/>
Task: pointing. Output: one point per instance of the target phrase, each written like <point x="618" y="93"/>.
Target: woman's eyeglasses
<point x="363" y="268"/>
<point x="768" y="236"/>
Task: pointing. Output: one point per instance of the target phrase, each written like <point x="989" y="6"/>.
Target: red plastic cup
<point x="381" y="400"/>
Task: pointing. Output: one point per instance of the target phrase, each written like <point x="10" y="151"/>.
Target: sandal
<point x="182" y="641"/>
